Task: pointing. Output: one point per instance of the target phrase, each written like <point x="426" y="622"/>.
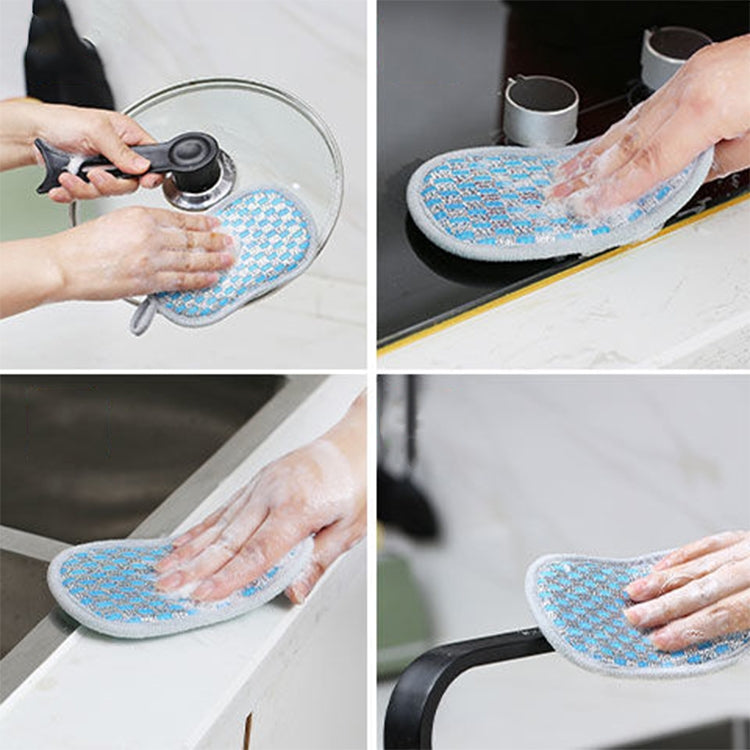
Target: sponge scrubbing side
<point x="109" y="586"/>
<point x="578" y="603"/>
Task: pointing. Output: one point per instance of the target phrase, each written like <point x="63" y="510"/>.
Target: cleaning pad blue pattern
<point x="489" y="204"/>
<point x="578" y="603"/>
<point x="275" y="242"/>
<point x="109" y="586"/>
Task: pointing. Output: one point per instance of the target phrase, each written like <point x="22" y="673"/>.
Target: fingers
<point x="201" y="557"/>
<point x="194" y="541"/>
<point x="197" y="530"/>
<point x="701" y="547"/>
<point x="583" y="162"/>
<point x="186" y="221"/>
<point x="692" y="597"/>
<point x="132" y="133"/>
<point x="697" y="108"/>
<point x="730" y="615"/>
<point x="275" y="537"/>
<point x="174" y="239"/>
<point x="111" y="144"/>
<point x="330" y="544"/>
<point x="640" y="160"/>
<point x="662" y="581"/>
<point x="151" y="180"/>
<point x="730" y="156"/>
<point x="100" y="183"/>
<point x="173" y="281"/>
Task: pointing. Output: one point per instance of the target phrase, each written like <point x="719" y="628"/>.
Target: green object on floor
<point x="404" y="630"/>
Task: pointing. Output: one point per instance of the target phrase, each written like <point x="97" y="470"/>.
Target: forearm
<point x="29" y="275"/>
<point x="350" y="436"/>
<point x="19" y="126"/>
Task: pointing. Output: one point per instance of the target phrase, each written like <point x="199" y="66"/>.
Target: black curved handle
<point x="414" y="701"/>
<point x="191" y="157"/>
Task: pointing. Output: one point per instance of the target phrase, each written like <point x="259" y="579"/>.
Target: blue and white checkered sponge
<point x="489" y="204"/>
<point x="110" y="587"/>
<point x="275" y="242"/>
<point x="578" y="603"/>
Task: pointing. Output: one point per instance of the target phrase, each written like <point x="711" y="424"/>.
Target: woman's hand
<point x="698" y="592"/>
<point x="127" y="252"/>
<point x="703" y="104"/>
<point x="317" y="489"/>
<point x="80" y="131"/>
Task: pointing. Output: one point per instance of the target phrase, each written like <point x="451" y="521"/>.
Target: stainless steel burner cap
<point x="207" y="198"/>
<point x="665" y="50"/>
<point x="540" y="111"/>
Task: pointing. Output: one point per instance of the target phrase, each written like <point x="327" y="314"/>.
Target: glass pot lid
<point x="272" y="139"/>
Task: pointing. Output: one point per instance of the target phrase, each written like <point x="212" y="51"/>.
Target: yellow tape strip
<point x="492" y="304"/>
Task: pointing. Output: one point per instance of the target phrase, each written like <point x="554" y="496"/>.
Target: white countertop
<point x="680" y="299"/>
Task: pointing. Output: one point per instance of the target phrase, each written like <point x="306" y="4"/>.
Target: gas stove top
<point x="441" y="66"/>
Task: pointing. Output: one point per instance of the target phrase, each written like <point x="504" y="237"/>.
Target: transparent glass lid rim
<point x="177" y="89"/>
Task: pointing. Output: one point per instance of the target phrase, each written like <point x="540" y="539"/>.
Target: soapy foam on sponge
<point x="491" y="204"/>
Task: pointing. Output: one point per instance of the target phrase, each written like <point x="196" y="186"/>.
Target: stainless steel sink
<point x="89" y="457"/>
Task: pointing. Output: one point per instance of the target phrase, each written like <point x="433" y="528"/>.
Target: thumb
<point x="112" y="146"/>
<point x="329" y="544"/>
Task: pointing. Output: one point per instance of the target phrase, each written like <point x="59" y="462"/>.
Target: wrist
<point x="339" y="465"/>
<point x="21" y="124"/>
<point x="54" y="268"/>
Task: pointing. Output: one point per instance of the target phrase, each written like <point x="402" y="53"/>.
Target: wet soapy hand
<point x="705" y="103"/>
<point x="80" y="131"/>
<point x="698" y="592"/>
<point x="317" y="489"/>
<point x="126" y="252"/>
<point x="139" y="251"/>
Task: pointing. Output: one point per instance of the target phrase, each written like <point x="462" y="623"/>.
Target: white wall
<point x="521" y="466"/>
<point x="316" y="50"/>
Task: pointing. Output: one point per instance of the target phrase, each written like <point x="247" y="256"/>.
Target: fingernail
<point x="564" y="171"/>
<point x="662" y="639"/>
<point x="298" y="593"/>
<point x="561" y="190"/>
<point x="170" y="581"/>
<point x="213" y="221"/>
<point x="227" y="259"/>
<point x="583" y="205"/>
<point x="229" y="241"/>
<point x="636" y="588"/>
<point x="204" y="591"/>
<point x="632" y="615"/>
<point x="140" y="163"/>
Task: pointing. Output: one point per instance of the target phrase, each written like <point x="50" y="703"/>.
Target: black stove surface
<point x="441" y="64"/>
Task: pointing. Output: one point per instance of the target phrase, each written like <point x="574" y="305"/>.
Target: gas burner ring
<point x="540" y="111"/>
<point x="665" y="51"/>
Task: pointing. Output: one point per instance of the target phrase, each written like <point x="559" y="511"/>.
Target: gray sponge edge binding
<point x="561" y="646"/>
<point x="147" y="309"/>
<point x="622" y="235"/>
<point x="292" y="570"/>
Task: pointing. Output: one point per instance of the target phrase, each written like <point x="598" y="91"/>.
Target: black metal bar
<point x="414" y="701"/>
